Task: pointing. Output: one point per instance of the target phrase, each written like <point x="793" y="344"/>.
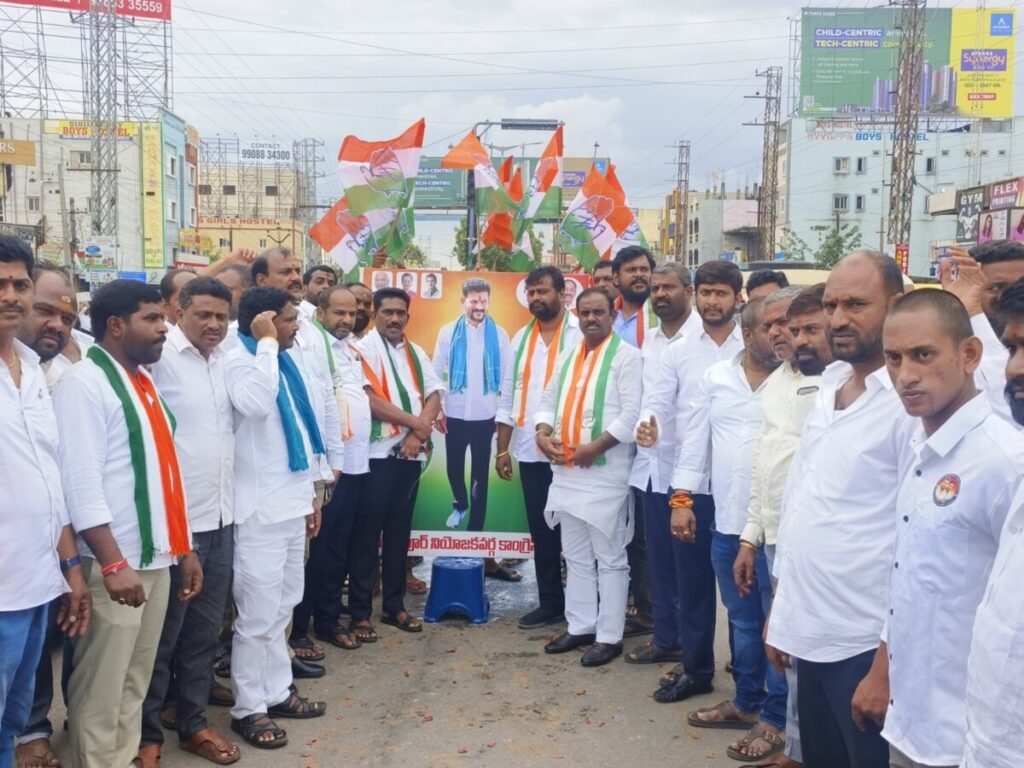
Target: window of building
<point x="840" y="165"/>
<point x="81" y="158"/>
<point x="229" y="189"/>
<point x="263" y="242"/>
<point x="191" y="215"/>
<point x="984" y="153"/>
<point x="945" y="153"/>
<point x="840" y="203"/>
<point x="696" y="226"/>
<point x="929" y="165"/>
<point x="860" y="203"/>
<point x="88" y="204"/>
<point x="192" y="175"/>
<point x="862" y="165"/>
<point x="33" y="204"/>
<point x="876" y="153"/>
<point x="172" y="163"/>
<point x="204" y="189"/>
<point x="270" y="191"/>
<point x="172" y="211"/>
<point x="224" y="243"/>
<point x="1002" y="153"/>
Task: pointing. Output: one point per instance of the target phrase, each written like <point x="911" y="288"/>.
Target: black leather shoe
<point x="686" y="686"/>
<point x="304" y="670"/>
<point x="566" y="642"/>
<point x="601" y="653"/>
<point x="541" y="617"/>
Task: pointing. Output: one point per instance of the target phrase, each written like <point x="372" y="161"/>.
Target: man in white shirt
<point x="968" y="464"/>
<point x="724" y="419"/>
<point x="585" y="427"/>
<point x="718" y="285"/>
<point x="762" y="283"/>
<point x="603" y="276"/>
<point x="170" y="286"/>
<point x="328" y="563"/>
<point x="123" y="488"/>
<point x="277" y="440"/>
<point x="835" y="542"/>
<point x="405" y="399"/>
<point x="237" y="277"/>
<point x="995" y="666"/>
<point x="316" y="280"/>
<point x="190" y="376"/>
<point x="671" y="294"/>
<point x="364" y="309"/>
<point x="39" y="551"/>
<point x="470" y="357"/>
<point x="535" y="349"/>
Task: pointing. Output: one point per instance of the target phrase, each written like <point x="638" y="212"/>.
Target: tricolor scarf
<point x="645" y="318"/>
<point x="292" y="397"/>
<point x="522" y="372"/>
<point x="459" y="351"/>
<point x="344" y="414"/>
<point x="583" y="407"/>
<point x="388" y="385"/>
<point x="163" y="522"/>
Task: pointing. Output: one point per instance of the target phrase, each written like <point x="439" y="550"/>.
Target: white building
<point x="835" y="172"/>
<point x="721" y="226"/>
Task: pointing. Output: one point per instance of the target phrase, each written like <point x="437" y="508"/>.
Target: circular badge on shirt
<point x="946" y="490"/>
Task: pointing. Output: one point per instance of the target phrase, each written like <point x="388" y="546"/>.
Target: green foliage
<point x="494" y="258"/>
<point x="412" y="256"/>
<point x="832" y="244"/>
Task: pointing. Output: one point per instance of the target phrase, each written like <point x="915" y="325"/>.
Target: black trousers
<point x="385" y="515"/>
<point x="328" y="563"/>
<point x="636" y="552"/>
<point x="475" y="435"/>
<point x="547" y="542"/>
<point x="828" y="736"/>
<point x="188" y="641"/>
<point x="698" y="596"/>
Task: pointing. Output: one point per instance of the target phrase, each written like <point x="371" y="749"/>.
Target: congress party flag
<point x="623" y="220"/>
<point x="380" y="175"/>
<point x="469" y="154"/>
<point x="543" y="198"/>
<point x="498" y="229"/>
<point x="352" y="240"/>
<point x="588" y="229"/>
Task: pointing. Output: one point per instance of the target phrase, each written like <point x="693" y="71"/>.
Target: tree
<point x="412" y="256"/>
<point x="494" y="258"/>
<point x="833" y="243"/>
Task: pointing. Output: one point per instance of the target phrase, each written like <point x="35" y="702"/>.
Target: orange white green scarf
<point x="582" y="387"/>
<point x="522" y="370"/>
<point x="159" y="494"/>
<point x="388" y="385"/>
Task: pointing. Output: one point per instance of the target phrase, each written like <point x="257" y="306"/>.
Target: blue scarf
<point x="290" y="380"/>
<point x="457" y="377"/>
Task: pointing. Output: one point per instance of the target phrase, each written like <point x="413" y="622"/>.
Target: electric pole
<point x="682" y="197"/>
<point x="908" y="104"/>
<point x="769" y="192"/>
<point x="101" y="109"/>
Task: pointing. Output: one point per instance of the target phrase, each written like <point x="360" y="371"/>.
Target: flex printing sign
<point x="1005" y="194"/>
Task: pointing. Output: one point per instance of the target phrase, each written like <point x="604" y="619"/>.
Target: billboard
<point x="969" y="204"/>
<point x="848" y="61"/>
<point x="265" y="152"/>
<point x="142" y="9"/>
<point x="152" y="196"/>
<point x="82" y="129"/>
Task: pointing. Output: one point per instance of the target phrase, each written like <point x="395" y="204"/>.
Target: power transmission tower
<point x="103" y="82"/>
<point x="215" y="156"/>
<point x="769" y="192"/>
<point x="308" y="154"/>
<point x="908" y="105"/>
<point x="682" y="197"/>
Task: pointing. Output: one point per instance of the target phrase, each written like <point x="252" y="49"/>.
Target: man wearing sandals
<point x="953" y="501"/>
<point x="834" y="552"/>
<point x="724" y="419"/>
<point x="277" y="442"/>
<point x="190" y="375"/>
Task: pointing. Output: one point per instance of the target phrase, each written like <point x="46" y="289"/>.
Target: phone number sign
<point x="265" y="153"/>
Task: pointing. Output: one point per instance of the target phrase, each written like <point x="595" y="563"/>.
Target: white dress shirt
<point x="264" y="485"/>
<point x="381" y="449"/>
<point x="835" y="544"/>
<point x="471" y="404"/>
<point x="306" y="309"/>
<point x="787" y="400"/>
<point x="316" y="372"/>
<point x="352" y="381"/>
<point x="995" y="667"/>
<point x="96" y="461"/>
<point x="590" y="493"/>
<point x="951" y="507"/>
<point x="56" y="367"/>
<point x="990" y="377"/>
<point x="680" y="371"/>
<point x="32" y="512"/>
<point x="195" y="390"/>
<point x="653" y="466"/>
<point x="524" y="439"/>
<point x="724" y="422"/>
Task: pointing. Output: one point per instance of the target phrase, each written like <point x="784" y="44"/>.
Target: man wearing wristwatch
<point x="122" y="485"/>
<point x="38" y="542"/>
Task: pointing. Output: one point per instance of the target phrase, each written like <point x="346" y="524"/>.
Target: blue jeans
<point x="21" y="644"/>
<point x="751" y="669"/>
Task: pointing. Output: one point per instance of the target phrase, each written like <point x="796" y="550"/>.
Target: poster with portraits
<point x="992" y="226"/>
<point x="1015" y="229"/>
<point x="436" y="299"/>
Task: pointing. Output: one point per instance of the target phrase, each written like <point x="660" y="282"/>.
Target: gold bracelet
<point x="503" y="453"/>
<point x="748" y="545"/>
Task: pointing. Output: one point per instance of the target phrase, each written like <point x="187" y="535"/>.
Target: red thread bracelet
<point x="110" y="570"/>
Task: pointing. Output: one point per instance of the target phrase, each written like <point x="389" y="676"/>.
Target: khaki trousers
<point x="112" y="667"/>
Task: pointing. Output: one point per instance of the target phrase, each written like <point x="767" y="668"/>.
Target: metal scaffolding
<point x="308" y="154"/>
<point x="24" y="87"/>
<point x="215" y="156"/>
<point x="767" y="200"/>
<point x="682" y="200"/>
<point x="101" y="110"/>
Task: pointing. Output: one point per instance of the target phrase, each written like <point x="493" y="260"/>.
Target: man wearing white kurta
<point x="536" y="348"/>
<point x="585" y="427"/>
<point x="952" y="503"/>
<point x="276" y="442"/>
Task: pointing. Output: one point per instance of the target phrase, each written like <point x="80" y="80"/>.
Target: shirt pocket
<point x="41" y="421"/>
<point x="942" y="547"/>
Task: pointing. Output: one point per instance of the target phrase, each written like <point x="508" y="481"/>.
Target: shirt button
<point x="917" y="472"/>
<point x="897" y="565"/>
<point x="892" y="701"/>
<point x="890" y="611"/>
<point x="906" y="518"/>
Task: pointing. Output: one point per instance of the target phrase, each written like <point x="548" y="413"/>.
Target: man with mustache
<point x="788" y="396"/>
<point x="995" y="667"/>
<point x="34" y="573"/>
<point x="585" y="426"/>
<point x="49" y="327"/>
<point x="191" y="378"/>
<point x="123" y="486"/>
<point x="718" y="286"/>
<point x="954" y="497"/>
<point x="316" y="280"/>
<point x="671" y="294"/>
<point x="237" y="277"/>
<point x="536" y="347"/>
<point x="170" y="286"/>
<point x="834" y="547"/>
<point x="603" y="276"/>
<point x="364" y="308"/>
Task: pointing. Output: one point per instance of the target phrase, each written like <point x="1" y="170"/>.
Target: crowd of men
<point x="839" y="463"/>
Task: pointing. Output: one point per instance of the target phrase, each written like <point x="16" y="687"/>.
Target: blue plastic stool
<point x="457" y="586"/>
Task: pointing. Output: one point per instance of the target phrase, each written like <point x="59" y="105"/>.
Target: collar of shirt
<point x="705" y="337"/>
<point x="946" y="437"/>
<point x="689" y="325"/>
<point x="307" y="309"/>
<point x="179" y="342"/>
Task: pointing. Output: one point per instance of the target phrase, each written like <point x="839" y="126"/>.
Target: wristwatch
<point x="71" y="562"/>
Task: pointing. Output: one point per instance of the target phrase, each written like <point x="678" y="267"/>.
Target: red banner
<point x="143" y="9"/>
<point x="75" y="6"/>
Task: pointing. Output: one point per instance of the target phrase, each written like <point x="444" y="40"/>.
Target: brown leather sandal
<point x="210" y="745"/>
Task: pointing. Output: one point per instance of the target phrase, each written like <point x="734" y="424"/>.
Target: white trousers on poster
<point x="268" y="585"/>
<point x="596" y="565"/>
